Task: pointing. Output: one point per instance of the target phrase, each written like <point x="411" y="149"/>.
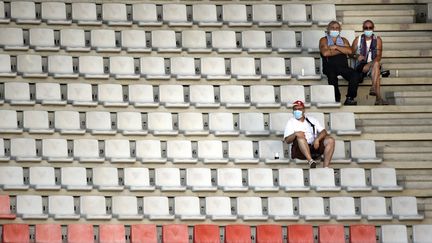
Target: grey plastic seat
<point x="24" y="12"/>
<point x="278" y="121"/>
<point x="405" y="208"/>
<point x="191" y="124"/>
<point x="125" y="207"/>
<point x="254" y="41"/>
<point x="92" y="67"/>
<point x="323" y="13"/>
<point x="291" y="93"/>
<point x="230" y="179"/>
<point x="137" y="179"/>
<point x="175" y="15"/>
<point x="171" y="95"/>
<point x="343" y="208"/>
<point x="68" y="122"/>
<point x="130" y="123"/>
<point x="9" y="122"/>
<point x="243" y="68"/>
<point x="160" y="123"/>
<point x="295" y="15"/>
<point x="241" y="151"/>
<point x="85" y="14"/>
<point x="199" y="179"/>
<point x="213" y="68"/>
<point x="54" y="13"/>
<point x="153" y="68"/>
<point x="219" y="208"/>
<point x="292" y="179"/>
<point x="141" y="95"/>
<point x="99" y="122"/>
<point x="42" y="178"/>
<point x="30" y="207"/>
<point x="55" y="150"/>
<point x="87" y="150"/>
<point x="310" y="40"/>
<point x="271" y="151"/>
<point x="354" y="179"/>
<point x="324" y="96"/>
<point x="115" y="14"/>
<point x="111" y="95"/>
<point x="224" y="41"/>
<point x="103" y="40"/>
<point x="94" y="208"/>
<point x="74" y="179"/>
<point x="211" y="151"/>
<point x="60" y="66"/>
<point x="73" y="40"/>
<point x="339" y="155"/>
<point x="384" y="179"/>
<point x="61" y="207"/>
<point x="188" y="208"/>
<point x="106" y="179"/>
<point x="284" y="41"/>
<point x="80" y="94"/>
<point x="145" y="14"/>
<point x="374" y="208"/>
<point x="123" y="68"/>
<point x="281" y="208"/>
<point x="180" y="151"/>
<point x="222" y="124"/>
<point x="235" y="15"/>
<point x="134" y="41"/>
<point x="168" y="179"/>
<point x="265" y="15"/>
<point x="6" y="67"/>
<point x="118" y="151"/>
<point x="263" y="96"/>
<point x="149" y="151"/>
<point x="30" y="66"/>
<point x="183" y="68"/>
<point x="157" y="208"/>
<point x="164" y="41"/>
<point x="24" y="149"/>
<point x="12" y="178"/>
<point x="274" y="68"/>
<point x="312" y="208"/>
<point x="42" y="39"/>
<point x="250" y="208"/>
<point x="261" y="180"/>
<point x="194" y="41"/>
<point x="303" y="68"/>
<point x="394" y="234"/>
<point x="421" y="233"/>
<point x="363" y="151"/>
<point x="12" y="39"/>
<point x="252" y="124"/>
<point x="202" y="96"/>
<point x="205" y="15"/>
<point x="343" y="123"/>
<point x="322" y="179"/>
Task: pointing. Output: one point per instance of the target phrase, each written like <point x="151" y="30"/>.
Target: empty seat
<point x="115" y="14"/>
<point x="213" y="68"/>
<point x="106" y="179"/>
<point x="145" y="14"/>
<point x="153" y="68"/>
<point x="94" y="207"/>
<point x="303" y="68"/>
<point x="73" y="40"/>
<point x="2" y="14"/>
<point x="36" y="122"/>
<point x="109" y="233"/>
<point x="224" y="41"/>
<point x="141" y="95"/>
<point x="295" y="15"/>
<point x="343" y="208"/>
<point x="265" y="15"/>
<point x="9" y="122"/>
<point x="30" y="207"/>
<point x="237" y="233"/>
<point x="394" y="234"/>
<point x="86" y="150"/>
<point x="324" y="96"/>
<point x="171" y="95"/>
<point x="74" y="179"/>
<point x="205" y="15"/>
<point x="143" y="233"/>
<point x="312" y="208"/>
<point x="252" y="124"/>
<point x="16" y="233"/>
<point x="175" y="15"/>
<point x="130" y="123"/>
<point x="12" y="178"/>
<point x="191" y="123"/>
<point x="187" y="208"/>
<point x="194" y="41"/>
<point x="281" y="208"/>
<point x="300" y="233"/>
<point x="3" y="157"/>
<point x="274" y="68"/>
<point x="250" y="208"/>
<point x="156" y="208"/>
<point x="350" y="35"/>
<point x="67" y="122"/>
<point x="54" y="13"/>
<point x="42" y="178"/>
<point x="42" y="39"/>
<point x="243" y="68"/>
<point x="331" y="233"/>
<point x="291" y="93"/>
<point x="24" y="12"/>
<point x="12" y="39"/>
<point x="254" y="41"/>
<point x="339" y="155"/>
<point x="103" y="40"/>
<point x="222" y="124"/>
<point x="235" y="15"/>
<point x="5" y="208"/>
<point x="134" y="41"/>
<point x="241" y="151"/>
<point x="291" y="179"/>
<point x="271" y="151"/>
<point x="362" y="233"/>
<point x="322" y="179"/>
<point x="211" y="151"/>
<point x="219" y="208"/>
<point x="80" y="233"/>
<point x="137" y="179"/>
<point x="263" y="96"/>
<point x="230" y="179"/>
<point x="175" y="233"/>
<point x="123" y="68"/>
<point x="168" y="179"/>
<point x="343" y="123"/>
<point x="24" y="149"/>
<point x="30" y="66"/>
<point x="61" y="67"/>
<point x="354" y="179"/>
<point x="374" y="208"/>
<point x="149" y="151"/>
<point x="85" y="14"/>
<point x="180" y="151"/>
<point x="421" y="232"/>
<point x="232" y="96"/>
<point x="92" y="67"/>
<point x="199" y="179"/>
<point x="284" y="41"/>
<point x="80" y="94"/>
<point x="310" y="40"/>
<point x="363" y="151"/>
<point x="278" y="121"/>
<point x="261" y="179"/>
<point x="111" y="95"/>
<point x="164" y="41"/>
<point x="160" y="123"/>
<point x="405" y="208"/>
<point x="62" y="207"/>
<point x="323" y="13"/>
<point x="206" y="233"/>
<point x="269" y="233"/>
<point x="202" y="96"/>
<point x="125" y="207"/>
<point x="99" y="122"/>
<point x="5" y="66"/>
<point x="118" y="151"/>
<point x="183" y="68"/>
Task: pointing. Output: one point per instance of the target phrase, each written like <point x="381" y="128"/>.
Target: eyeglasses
<point x="368" y="27"/>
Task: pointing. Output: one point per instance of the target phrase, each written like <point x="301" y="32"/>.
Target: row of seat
<point x="201" y="233"/>
<point x="159" y="68"/>
<point x="194" y="41"/>
<point x="176" y="151"/>
<point x="197" y="179"/>
<point x="149" y="14"/>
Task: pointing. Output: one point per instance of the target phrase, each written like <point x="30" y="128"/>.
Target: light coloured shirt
<point x="293" y="125"/>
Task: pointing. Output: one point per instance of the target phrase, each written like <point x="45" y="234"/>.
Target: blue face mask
<point x="334" y="33"/>
<point x="298" y="114"/>
<point x="368" y="33"/>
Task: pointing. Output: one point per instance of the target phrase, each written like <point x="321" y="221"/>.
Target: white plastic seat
<point x="312" y="208"/>
<point x="254" y="41"/>
<point x="42" y="178"/>
<point x="183" y="68"/>
<point x="213" y="68"/>
<point x="205" y="15"/>
<point x="168" y="179"/>
<point x="149" y="151"/>
<point x="250" y="208"/>
<point x="339" y="153"/>
<point x="252" y="124"/>
<point x="224" y="41"/>
<point x="30" y="207"/>
<point x="175" y="15"/>
<point x="92" y="67"/>
<point x="61" y="207"/>
<point x="281" y="208"/>
<point x="233" y="96"/>
<point x="343" y="208"/>
<point x="284" y="41"/>
<point x="291" y="93"/>
<point x="261" y="179"/>
<point x="123" y="68"/>
<point x="67" y="122"/>
<point x="194" y="41"/>
<point x="103" y="40"/>
<point x="202" y="96"/>
<point x="421" y="233"/>
<point x="125" y="207"/>
<point x="271" y="151"/>
<point x="310" y="40"/>
<point x="323" y="13"/>
<point x="187" y="208"/>
<point x="3" y="156"/>
<point x="24" y="12"/>
<point x="222" y="124"/>
<point x="405" y="208"/>
<point x="394" y="234"/>
<point x="295" y="15"/>
<point x="36" y="122"/>
<point x="54" y="13"/>
<point x="278" y="121"/>
<point x="12" y="39"/>
<point x="263" y="96"/>
<point x="363" y="151"/>
<point x="5" y="66"/>
<point x="171" y="95"/>
<point x="111" y="95"/>
<point x="235" y="15"/>
<point x="2" y="14"/>
<point x="130" y="123"/>
<point x="30" y="66"/>
<point x="199" y="179"/>
<point x="99" y="122"/>
<point x="211" y="151"/>
<point x="137" y="179"/>
<point x="24" y="149"/>
<point x="384" y="179"/>
<point x="156" y="208"/>
<point x="243" y="68"/>
<point x="153" y="68"/>
<point x="323" y="96"/>
<point x="274" y="68"/>
<point x="106" y="179"/>
<point x="303" y="68"/>
<point x="60" y="66"/>
<point x="350" y="35"/>
<point x="230" y="179"/>
<point x="85" y="14"/>
<point x="145" y="14"/>
<point x="164" y="41"/>
<point x="134" y="41"/>
<point x="141" y="95"/>
<point x="42" y="39"/>
<point x="160" y="123"/>
<point x="115" y="14"/>
<point x="374" y="208"/>
<point x="118" y="151"/>
<point x="265" y="15"/>
<point x="322" y="179"/>
<point x="319" y="116"/>
<point x="291" y="179"/>
<point x="241" y="151"/>
<point x="191" y="124"/>
<point x="74" y="179"/>
<point x="55" y="150"/>
<point x="219" y="208"/>
<point x="86" y="150"/>
<point x="180" y="151"/>
<point x="94" y="207"/>
<point x="12" y="178"/>
<point x="9" y="122"/>
<point x="343" y="123"/>
<point x="354" y="179"/>
<point x="73" y="40"/>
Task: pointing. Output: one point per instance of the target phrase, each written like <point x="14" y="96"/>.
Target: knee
<point x="301" y="139"/>
<point x="329" y="141"/>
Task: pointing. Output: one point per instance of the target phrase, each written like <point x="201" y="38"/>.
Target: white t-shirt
<point x="293" y="125"/>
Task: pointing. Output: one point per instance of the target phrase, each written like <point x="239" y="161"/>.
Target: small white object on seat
<point x="281" y="208"/>
<point x="363" y="151"/>
<point x="303" y="68"/>
<point x="180" y="151"/>
<point x="261" y="179"/>
<point x="111" y="95"/>
<point x="106" y="179"/>
<point x="118" y="151"/>
<point x="291" y="179"/>
<point x="74" y="179"/>
<point x="156" y="208"/>
<point x="230" y="179"/>
<point x="211" y="151"/>
<point x="199" y="179"/>
<point x="168" y="179"/>
<point x="374" y="208"/>
<point x="94" y="207"/>
<point x="187" y="208"/>
<point x="312" y="208"/>
<point x="384" y="179"/>
<point x="343" y="123"/>
<point x="354" y="179"/>
<point x="219" y="208"/>
<point x="343" y="208"/>
<point x="250" y="208"/>
<point x="241" y="151"/>
<point x="42" y="178"/>
<point x="60" y="66"/>
<point x="322" y="179"/>
<point x="125" y="207"/>
<point x="323" y="96"/>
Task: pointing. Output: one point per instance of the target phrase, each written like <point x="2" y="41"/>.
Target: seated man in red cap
<point x="309" y="138"/>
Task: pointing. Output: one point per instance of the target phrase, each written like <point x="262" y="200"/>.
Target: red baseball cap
<point x="298" y="103"/>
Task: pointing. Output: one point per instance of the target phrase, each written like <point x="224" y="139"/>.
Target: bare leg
<point x="304" y="148"/>
<point x="376" y="79"/>
<point x="329" y="146"/>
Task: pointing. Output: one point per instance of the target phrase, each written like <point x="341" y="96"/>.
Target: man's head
<point x="298" y="109"/>
<point x="368" y="28"/>
<point x="334" y="28"/>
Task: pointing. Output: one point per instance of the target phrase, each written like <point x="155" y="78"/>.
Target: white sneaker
<point x="312" y="163"/>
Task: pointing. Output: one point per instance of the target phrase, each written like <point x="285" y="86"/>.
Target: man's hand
<point x="316" y="144"/>
<point x="360" y="58"/>
<point x="333" y="47"/>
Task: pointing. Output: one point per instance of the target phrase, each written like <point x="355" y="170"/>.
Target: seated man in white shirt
<point x="309" y="139"/>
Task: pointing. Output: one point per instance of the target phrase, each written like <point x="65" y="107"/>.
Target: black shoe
<point x="385" y="73"/>
<point x="350" y="101"/>
<point x="312" y="163"/>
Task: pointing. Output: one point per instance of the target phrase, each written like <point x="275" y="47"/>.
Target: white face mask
<point x="297" y="114"/>
<point x="334" y="33"/>
<point x="368" y="33"/>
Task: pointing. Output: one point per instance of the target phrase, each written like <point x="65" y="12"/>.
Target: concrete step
<point x="377" y="16"/>
<point x="411" y="97"/>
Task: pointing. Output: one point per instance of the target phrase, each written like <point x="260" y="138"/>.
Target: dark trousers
<point x="349" y="74"/>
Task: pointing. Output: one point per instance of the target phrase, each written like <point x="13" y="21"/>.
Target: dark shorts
<point x="315" y="153"/>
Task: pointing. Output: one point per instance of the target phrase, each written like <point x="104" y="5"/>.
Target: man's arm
<point x="292" y="137"/>
<point x="320" y="137"/>
<point x="379" y="49"/>
<point x="334" y="50"/>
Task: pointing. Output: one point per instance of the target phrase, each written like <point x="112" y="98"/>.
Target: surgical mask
<point x="298" y="114"/>
<point x="334" y="33"/>
<point x="368" y="33"/>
